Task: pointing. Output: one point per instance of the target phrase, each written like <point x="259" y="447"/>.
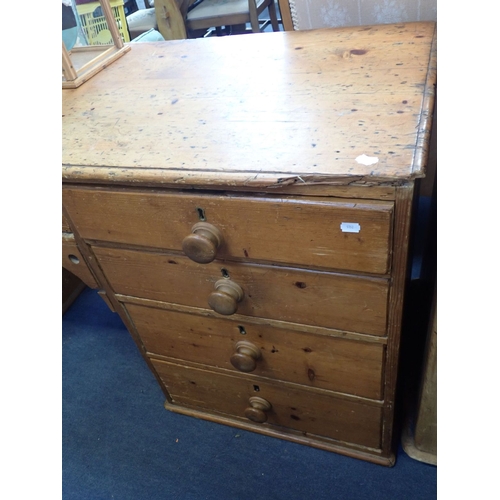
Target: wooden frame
<point x="286" y="16"/>
<point x="82" y="63"/>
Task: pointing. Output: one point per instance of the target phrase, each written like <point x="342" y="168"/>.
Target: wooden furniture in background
<point x="286" y="16"/>
<point x="75" y="272"/>
<point x="426" y="421"/>
<point x="214" y="13"/>
<point x="81" y="63"/>
<point x="72" y="286"/>
<point x="419" y="436"/>
<point x="176" y="20"/>
<point x="245" y="204"/>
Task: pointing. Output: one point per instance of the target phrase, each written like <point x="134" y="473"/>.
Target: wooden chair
<point x="286" y="15"/>
<point x="213" y="13"/>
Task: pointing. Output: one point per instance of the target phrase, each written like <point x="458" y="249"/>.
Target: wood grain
<point x="376" y="456"/>
<point x="302" y="231"/>
<point x="166" y="112"/>
<point x="263" y="138"/>
<point x="286" y="16"/>
<point x="312" y="360"/>
<point x="320" y="299"/>
<point x="291" y="408"/>
<point x="404" y="208"/>
<point x="73" y="261"/>
<point x="426" y="418"/>
<point x="65" y="225"/>
<point x="284" y="325"/>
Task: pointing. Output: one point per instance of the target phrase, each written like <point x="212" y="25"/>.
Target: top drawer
<point x="315" y="232"/>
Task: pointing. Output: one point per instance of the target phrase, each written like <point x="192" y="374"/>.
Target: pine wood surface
<point x="312" y="360"/>
<point x="286" y="16"/>
<point x="298" y="409"/>
<point x="426" y="419"/>
<point x="287" y="230"/>
<point x="240" y="319"/>
<point x="299" y="107"/>
<point x="401" y="272"/>
<point x="329" y="300"/>
<point x="65" y="225"/>
<point x="376" y="456"/>
<point x="73" y="261"/>
<point x="256" y="139"/>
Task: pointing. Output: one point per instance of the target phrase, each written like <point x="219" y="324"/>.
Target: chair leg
<point x="254" y="18"/>
<point x="273" y="16"/>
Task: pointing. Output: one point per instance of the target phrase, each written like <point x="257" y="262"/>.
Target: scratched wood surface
<point x="260" y="110"/>
<point x="330" y="300"/>
<point x="313" y="360"/>
<point x="291" y="408"/>
<point x="290" y="230"/>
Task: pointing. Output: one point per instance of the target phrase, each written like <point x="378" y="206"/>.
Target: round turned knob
<point x="246" y="356"/>
<point x="202" y="244"/>
<point x="226" y="297"/>
<point x="257" y="410"/>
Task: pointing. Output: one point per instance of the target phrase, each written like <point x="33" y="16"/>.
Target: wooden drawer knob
<point x="246" y="356"/>
<point x="257" y="410"/>
<point x="202" y="244"/>
<point x="226" y="297"/>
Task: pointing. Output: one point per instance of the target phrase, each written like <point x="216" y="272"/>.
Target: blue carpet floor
<point x="120" y="443"/>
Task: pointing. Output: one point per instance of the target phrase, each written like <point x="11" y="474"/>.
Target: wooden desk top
<point x="335" y="106"/>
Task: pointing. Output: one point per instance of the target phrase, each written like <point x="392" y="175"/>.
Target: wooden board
<point x="300" y="231"/>
<point x="329" y="300"/>
<point x="314" y="360"/>
<point x="85" y="62"/>
<point x="72" y="286"/>
<point x="73" y="261"/>
<point x="184" y="117"/>
<point x="311" y="413"/>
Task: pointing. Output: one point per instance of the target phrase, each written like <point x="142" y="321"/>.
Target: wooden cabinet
<point x="251" y="225"/>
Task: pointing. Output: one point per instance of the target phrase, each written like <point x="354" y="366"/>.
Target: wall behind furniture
<point x="310" y="14"/>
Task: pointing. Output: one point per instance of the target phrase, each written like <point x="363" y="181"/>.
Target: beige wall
<point x="309" y="14"/>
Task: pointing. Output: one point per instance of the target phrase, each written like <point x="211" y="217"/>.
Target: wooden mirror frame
<point x="93" y="58"/>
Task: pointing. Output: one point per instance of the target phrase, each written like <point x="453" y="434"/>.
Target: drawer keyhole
<point x="201" y="214"/>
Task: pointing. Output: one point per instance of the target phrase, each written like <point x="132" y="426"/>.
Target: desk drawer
<point x="321" y="361"/>
<point x="302" y="410"/>
<point x="303" y="231"/>
<point x="351" y="303"/>
<point x="73" y="261"/>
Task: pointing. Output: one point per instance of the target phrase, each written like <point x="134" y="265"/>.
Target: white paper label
<point x="350" y="227"/>
<point x="367" y="160"/>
